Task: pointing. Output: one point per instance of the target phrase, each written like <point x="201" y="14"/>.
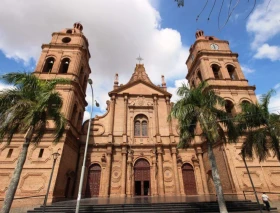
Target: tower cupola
<point x="199" y="34"/>
<point x="78" y="27"/>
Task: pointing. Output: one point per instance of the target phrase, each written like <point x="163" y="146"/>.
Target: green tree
<point x="260" y="128"/>
<point x="201" y="108"/>
<point x="27" y="108"/>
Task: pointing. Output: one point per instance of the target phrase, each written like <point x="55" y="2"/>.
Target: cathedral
<point x="132" y="147"/>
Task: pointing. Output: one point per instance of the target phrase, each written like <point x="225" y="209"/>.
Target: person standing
<point x="265" y="199"/>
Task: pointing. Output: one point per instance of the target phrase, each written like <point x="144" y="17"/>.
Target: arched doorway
<point x="142" y="178"/>
<point x="189" y="179"/>
<point x="93" y="181"/>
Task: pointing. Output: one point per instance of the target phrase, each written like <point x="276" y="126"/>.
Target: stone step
<point x="233" y="206"/>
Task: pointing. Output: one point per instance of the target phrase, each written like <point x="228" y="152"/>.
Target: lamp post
<point x="85" y="152"/>
<point x="55" y="156"/>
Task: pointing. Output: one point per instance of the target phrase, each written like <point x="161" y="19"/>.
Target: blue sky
<point x="118" y="31"/>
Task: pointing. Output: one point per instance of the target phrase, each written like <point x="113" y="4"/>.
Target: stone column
<point x="154" y="175"/>
<point x="171" y="135"/>
<point x="168" y="112"/>
<point x="129" y="174"/>
<point x="123" y="178"/>
<point x="108" y="176"/>
<point x="176" y="176"/>
<point x="125" y="120"/>
<point x="160" y="171"/>
<point x="202" y="170"/>
<point x="199" y="185"/>
<point x="156" y="115"/>
<point x="111" y="124"/>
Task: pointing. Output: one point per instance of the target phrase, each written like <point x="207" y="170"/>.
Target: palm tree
<point x="260" y="128"/>
<point x="27" y="108"/>
<point x="201" y="108"/>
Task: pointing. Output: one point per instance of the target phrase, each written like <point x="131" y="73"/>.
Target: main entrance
<point x="141" y="178"/>
<point x="189" y="179"/>
<point x="93" y="181"/>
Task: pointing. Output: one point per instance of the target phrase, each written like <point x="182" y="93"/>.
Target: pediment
<point x="140" y="88"/>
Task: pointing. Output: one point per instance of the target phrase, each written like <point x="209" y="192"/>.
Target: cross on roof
<point x="139" y="59"/>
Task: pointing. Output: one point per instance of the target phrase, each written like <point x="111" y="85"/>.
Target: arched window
<point x="229" y="107"/>
<point x="232" y="72"/>
<point x="199" y="76"/>
<point x="137" y="128"/>
<point x="48" y="65"/>
<point x="245" y="102"/>
<point x="64" y="65"/>
<point x="216" y="71"/>
<point x="144" y="128"/>
<point x="141" y="126"/>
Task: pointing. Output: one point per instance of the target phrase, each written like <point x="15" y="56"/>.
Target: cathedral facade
<point x="132" y="147"/>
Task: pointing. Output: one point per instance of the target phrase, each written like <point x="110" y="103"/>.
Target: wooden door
<point x="189" y="179"/>
<point x="142" y="177"/>
<point x="93" y="181"/>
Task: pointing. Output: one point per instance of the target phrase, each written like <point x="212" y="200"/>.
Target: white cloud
<point x="274" y="104"/>
<point x="4" y="86"/>
<point x="86" y="116"/>
<point x="277" y="86"/>
<point x="173" y="90"/>
<point x="118" y="31"/>
<point x="246" y="69"/>
<point x="264" y="24"/>
<point x="267" y="51"/>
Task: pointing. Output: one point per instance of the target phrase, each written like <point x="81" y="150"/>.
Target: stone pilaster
<point x="160" y="171"/>
<point x="109" y="166"/>
<point x="176" y="176"/>
<point x="199" y="185"/>
<point x="154" y="187"/>
<point x="202" y="170"/>
<point x="111" y="124"/>
<point x="129" y="174"/>
<point x="156" y="116"/>
<point x="123" y="178"/>
<point x="125" y="120"/>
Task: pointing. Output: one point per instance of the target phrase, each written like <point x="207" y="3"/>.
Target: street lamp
<point x="85" y="152"/>
<point x="55" y="156"/>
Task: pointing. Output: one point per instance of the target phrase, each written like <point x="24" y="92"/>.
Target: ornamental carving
<point x="274" y="178"/>
<point x="140" y="101"/>
<point x="168" y="174"/>
<point x="33" y="183"/>
<point x="116" y="174"/>
<point x="5" y="180"/>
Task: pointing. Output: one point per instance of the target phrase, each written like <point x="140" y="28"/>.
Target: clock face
<point x="214" y="46"/>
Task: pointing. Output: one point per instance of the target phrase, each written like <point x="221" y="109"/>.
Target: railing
<point x="244" y="193"/>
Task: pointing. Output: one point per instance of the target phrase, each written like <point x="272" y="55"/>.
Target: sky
<point x="120" y="30"/>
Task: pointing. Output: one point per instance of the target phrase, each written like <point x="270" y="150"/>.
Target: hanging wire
<point x="202" y="10"/>
<point x="211" y="10"/>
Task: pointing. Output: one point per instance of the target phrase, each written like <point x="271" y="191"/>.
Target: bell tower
<point x="211" y="60"/>
<point x="67" y="56"/>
